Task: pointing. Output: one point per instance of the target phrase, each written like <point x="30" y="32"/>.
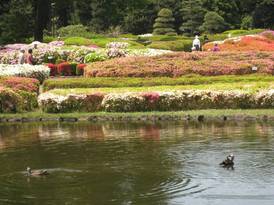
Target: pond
<point x="137" y="163"/>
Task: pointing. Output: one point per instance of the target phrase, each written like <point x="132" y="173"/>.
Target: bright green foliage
<point x="164" y="23"/>
<point x="213" y="23"/>
<point x="193" y="15"/>
<point x="247" y="22"/>
<point x="77" y="41"/>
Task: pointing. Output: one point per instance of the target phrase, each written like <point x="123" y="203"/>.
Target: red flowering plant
<point x="80" y="69"/>
<point x="151" y="99"/>
<point x="53" y="69"/>
<point x="65" y="69"/>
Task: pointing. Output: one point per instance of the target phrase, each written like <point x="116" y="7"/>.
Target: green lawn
<point x="242" y="86"/>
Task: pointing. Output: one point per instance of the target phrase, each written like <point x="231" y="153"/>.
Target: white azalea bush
<point x="156" y="101"/>
<point x="39" y="72"/>
<point x="117" y="45"/>
<point x="265" y="99"/>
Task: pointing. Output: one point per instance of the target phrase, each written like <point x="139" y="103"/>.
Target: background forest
<point x="22" y="19"/>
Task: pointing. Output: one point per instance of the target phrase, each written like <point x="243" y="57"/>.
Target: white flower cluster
<point x="117" y="45"/>
<point x="147" y="52"/>
<point x="39" y="72"/>
<point x="147" y="35"/>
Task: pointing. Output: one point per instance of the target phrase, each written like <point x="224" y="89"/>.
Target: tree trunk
<point x="41" y="18"/>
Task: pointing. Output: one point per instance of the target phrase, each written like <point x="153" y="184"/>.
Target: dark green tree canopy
<point x="213" y="23"/>
<point x="22" y="19"/>
<point x="164" y="23"/>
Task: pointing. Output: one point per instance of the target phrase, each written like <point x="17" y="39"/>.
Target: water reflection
<point x="137" y="163"/>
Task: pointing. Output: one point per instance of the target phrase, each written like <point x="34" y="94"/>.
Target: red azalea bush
<point x="182" y="63"/>
<point x="151" y="99"/>
<point x="20" y="83"/>
<point x="80" y="69"/>
<point x="65" y="69"/>
<point x="53" y="69"/>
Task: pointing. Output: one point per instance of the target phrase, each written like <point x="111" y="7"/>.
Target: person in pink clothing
<point x="216" y="48"/>
<point x="30" y="59"/>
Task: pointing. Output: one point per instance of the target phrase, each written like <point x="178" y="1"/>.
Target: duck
<point x="228" y="162"/>
<point x="36" y="172"/>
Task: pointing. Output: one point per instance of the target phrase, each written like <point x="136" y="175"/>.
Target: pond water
<point x="137" y="163"/>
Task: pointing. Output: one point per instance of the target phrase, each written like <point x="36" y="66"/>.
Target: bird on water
<point x="228" y="162"/>
<point x="31" y="172"/>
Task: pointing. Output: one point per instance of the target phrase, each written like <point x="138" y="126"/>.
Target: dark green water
<point x="142" y="164"/>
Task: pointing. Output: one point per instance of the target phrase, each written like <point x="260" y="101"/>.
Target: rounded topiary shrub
<point x="164" y="23"/>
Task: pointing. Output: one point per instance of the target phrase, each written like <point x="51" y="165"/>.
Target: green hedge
<point x="63" y="83"/>
<point x="179" y="45"/>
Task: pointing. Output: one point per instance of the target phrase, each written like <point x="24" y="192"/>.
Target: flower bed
<point x="39" y="72"/>
<point x="179" y="64"/>
<point x="156" y="101"/>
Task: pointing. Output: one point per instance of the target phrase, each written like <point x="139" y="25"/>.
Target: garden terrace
<point x="179" y="64"/>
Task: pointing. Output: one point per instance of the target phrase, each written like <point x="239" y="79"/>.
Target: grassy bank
<point x="209" y="113"/>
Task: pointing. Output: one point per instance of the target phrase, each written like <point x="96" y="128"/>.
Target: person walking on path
<point x="196" y="44"/>
<point x="21" y="57"/>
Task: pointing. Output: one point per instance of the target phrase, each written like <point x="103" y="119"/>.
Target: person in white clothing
<point x="196" y="44"/>
<point x="21" y="57"/>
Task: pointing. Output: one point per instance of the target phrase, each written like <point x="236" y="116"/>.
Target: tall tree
<point x="263" y="15"/>
<point x="193" y="15"/>
<point x="16" y="23"/>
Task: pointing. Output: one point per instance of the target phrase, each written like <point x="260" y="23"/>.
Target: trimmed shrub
<point x="164" y="24"/>
<point x="65" y="69"/>
<point x="23" y="84"/>
<point x="80" y="69"/>
<point x="157" y="101"/>
<point x="10" y="102"/>
<point x="93" y="57"/>
<point x="29" y="100"/>
<point x="179" y="45"/>
<point x="93" y="102"/>
<point x="53" y="69"/>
